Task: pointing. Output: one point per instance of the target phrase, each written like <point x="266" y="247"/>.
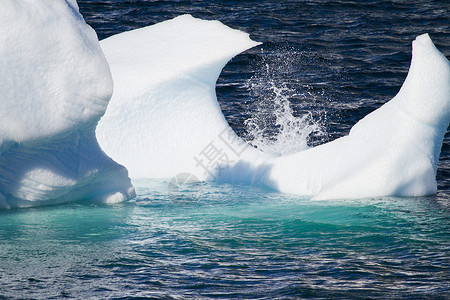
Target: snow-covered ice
<point x="55" y="85"/>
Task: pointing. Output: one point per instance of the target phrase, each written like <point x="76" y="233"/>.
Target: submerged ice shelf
<point x="164" y="119"/>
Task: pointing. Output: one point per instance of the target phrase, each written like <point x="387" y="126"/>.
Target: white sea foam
<point x="273" y="127"/>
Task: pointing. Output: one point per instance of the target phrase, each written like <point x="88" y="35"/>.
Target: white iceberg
<point x="55" y="85"/>
<point x="164" y="119"/>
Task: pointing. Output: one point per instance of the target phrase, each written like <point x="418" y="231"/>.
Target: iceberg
<point x="55" y="85"/>
<point x="164" y="120"/>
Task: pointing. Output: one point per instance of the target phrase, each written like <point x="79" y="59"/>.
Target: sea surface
<point x="331" y="63"/>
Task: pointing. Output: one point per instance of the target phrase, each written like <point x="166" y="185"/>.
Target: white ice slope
<point x="393" y="151"/>
<point x="164" y="119"/>
<point x="164" y="110"/>
<point x="55" y="85"/>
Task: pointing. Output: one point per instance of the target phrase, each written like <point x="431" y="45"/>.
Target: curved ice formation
<point x="55" y="85"/>
<point x="164" y="119"/>
<point x="164" y="110"/>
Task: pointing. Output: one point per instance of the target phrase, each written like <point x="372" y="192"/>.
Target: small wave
<point x="274" y="127"/>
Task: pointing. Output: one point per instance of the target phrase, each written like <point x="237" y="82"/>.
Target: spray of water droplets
<point x="274" y="127"/>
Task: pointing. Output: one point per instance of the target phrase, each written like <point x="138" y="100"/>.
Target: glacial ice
<point x="164" y="119"/>
<point x="164" y="111"/>
<point x="55" y="85"/>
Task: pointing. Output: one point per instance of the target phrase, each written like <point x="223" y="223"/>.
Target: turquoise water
<point x="227" y="242"/>
<point x="345" y="58"/>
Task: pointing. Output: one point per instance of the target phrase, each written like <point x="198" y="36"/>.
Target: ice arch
<point x="55" y="85"/>
<point x="164" y="119"/>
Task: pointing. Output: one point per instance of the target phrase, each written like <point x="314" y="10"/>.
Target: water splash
<point x="274" y="127"/>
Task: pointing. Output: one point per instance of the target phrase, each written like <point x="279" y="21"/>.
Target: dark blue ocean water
<point x="339" y="60"/>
